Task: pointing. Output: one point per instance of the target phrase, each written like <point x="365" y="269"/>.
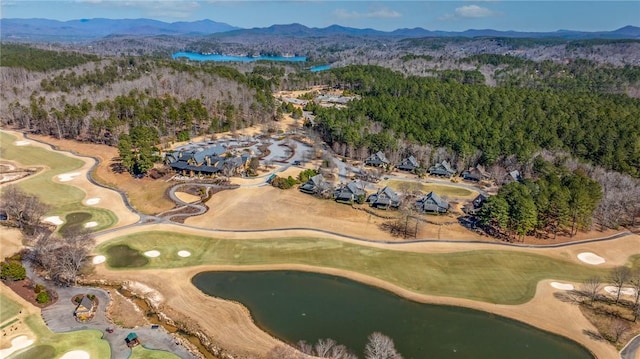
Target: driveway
<point x="59" y="318"/>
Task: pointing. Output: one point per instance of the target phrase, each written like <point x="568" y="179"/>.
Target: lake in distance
<point x="227" y="58"/>
<point x="293" y="306"/>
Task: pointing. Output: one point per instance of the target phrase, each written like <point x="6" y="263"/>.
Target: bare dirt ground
<point x="145" y="194"/>
<point x="268" y="207"/>
<point x="123" y="312"/>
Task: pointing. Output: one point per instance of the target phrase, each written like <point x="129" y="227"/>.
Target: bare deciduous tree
<point x="591" y="287"/>
<point x="380" y="346"/>
<point x="23" y="209"/>
<point x="618" y="327"/>
<point x="619" y="277"/>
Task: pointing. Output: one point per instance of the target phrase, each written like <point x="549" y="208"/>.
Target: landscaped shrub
<point x="283" y="183"/>
<point x="13" y="270"/>
<point x="91" y="296"/>
<point x="43" y="297"/>
<point x="39" y="288"/>
<point x="306" y="174"/>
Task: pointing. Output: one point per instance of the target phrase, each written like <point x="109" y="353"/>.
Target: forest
<point x="492" y="121"/>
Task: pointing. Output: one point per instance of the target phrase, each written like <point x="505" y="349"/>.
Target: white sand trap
<point x="92" y="201"/>
<point x="625" y="291"/>
<point x="66" y="177"/>
<point x="90" y="224"/>
<point x="54" y="220"/>
<point x="76" y="354"/>
<point x="184" y="253"/>
<point x="152" y="254"/>
<point x="17" y="343"/>
<point x="99" y="259"/>
<point x="590" y="258"/>
<point x="563" y="286"/>
<point x="22" y="143"/>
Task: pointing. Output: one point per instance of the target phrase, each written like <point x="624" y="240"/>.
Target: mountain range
<point x="25" y="30"/>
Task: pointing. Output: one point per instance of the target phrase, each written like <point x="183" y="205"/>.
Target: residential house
<point x="352" y="192"/>
<point x="432" y="203"/>
<point x="385" y="198"/>
<point x="207" y="162"/>
<point x="475" y="174"/>
<point x="474" y="206"/>
<point x="442" y="169"/>
<point x="513" y="176"/>
<point x="315" y="185"/>
<point x="377" y="159"/>
<point x="85" y="309"/>
<point x="408" y="164"/>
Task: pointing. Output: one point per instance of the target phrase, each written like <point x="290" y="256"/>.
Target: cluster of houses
<point x="384" y="198"/>
<point x="207" y="162"/>
<point x="442" y="169"/>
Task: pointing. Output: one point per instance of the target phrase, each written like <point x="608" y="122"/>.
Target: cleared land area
<point x="494" y="276"/>
<point x="268" y="207"/>
<point x="443" y="190"/>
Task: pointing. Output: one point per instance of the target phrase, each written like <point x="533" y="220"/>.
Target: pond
<point x="123" y="256"/>
<point x="295" y="306"/>
<point x="228" y="58"/>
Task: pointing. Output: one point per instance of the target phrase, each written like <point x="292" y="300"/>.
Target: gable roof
<point x="432" y="197"/>
<point x="85" y="303"/>
<point x="378" y="156"/>
<point x="317" y="180"/>
<point x="356" y="187"/>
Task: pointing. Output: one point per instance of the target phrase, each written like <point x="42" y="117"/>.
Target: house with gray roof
<point x="408" y="164"/>
<point x="315" y="185"/>
<point x="475" y="174"/>
<point x="432" y="203"/>
<point x="474" y="206"/>
<point x="207" y="162"/>
<point x="442" y="169"/>
<point x="513" y="176"/>
<point x="377" y="159"/>
<point x="351" y="192"/>
<point x="385" y="198"/>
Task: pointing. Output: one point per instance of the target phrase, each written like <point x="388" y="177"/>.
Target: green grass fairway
<point x="8" y="308"/>
<point x="493" y="276"/>
<point x="48" y="342"/>
<point x="61" y="197"/>
<point x="140" y="352"/>
<point x="441" y="189"/>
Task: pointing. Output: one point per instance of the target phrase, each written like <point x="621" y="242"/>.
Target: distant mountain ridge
<point x="93" y="29"/>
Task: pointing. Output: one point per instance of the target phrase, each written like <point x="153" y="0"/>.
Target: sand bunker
<point x="99" y="259"/>
<point x="22" y="143"/>
<point x="75" y="354"/>
<point x="66" y="177"/>
<point x="17" y="343"/>
<point x="152" y="254"/>
<point x="54" y="220"/>
<point x="184" y="253"/>
<point x="625" y="291"/>
<point x="92" y="201"/>
<point x="590" y="258"/>
<point x="90" y="224"/>
<point x="563" y="286"/>
<point x="7" y="178"/>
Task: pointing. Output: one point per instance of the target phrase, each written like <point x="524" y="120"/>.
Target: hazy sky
<point x="382" y="15"/>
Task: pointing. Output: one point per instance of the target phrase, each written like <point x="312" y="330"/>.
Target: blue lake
<point x="296" y="306"/>
<point x="320" y="68"/>
<point x="226" y="58"/>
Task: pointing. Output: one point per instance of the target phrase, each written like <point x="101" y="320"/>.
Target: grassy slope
<point x="8" y="308"/>
<point x="493" y="276"/>
<point x="62" y="198"/>
<point x="140" y="352"/>
<point x="441" y="189"/>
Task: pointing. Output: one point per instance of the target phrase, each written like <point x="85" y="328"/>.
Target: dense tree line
<point x="468" y="118"/>
<point x="30" y="58"/>
<point x="102" y="102"/>
<point x="553" y="203"/>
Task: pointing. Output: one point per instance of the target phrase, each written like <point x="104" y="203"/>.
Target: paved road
<point x="59" y="318"/>
<point x="630" y="350"/>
